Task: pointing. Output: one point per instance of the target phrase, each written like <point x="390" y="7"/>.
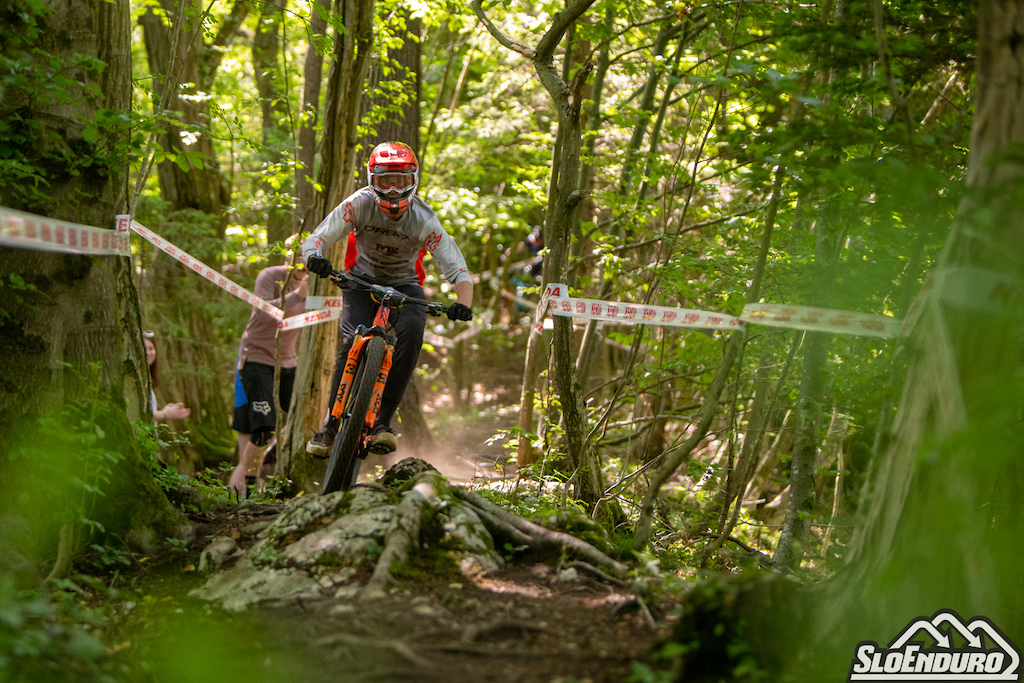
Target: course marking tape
<point x="564" y="305"/>
<point x="207" y="272"/>
<point x="315" y="303"/>
<point x="772" y="315"/>
<point x="989" y="292"/>
<point x="437" y="340"/>
<point x="518" y="299"/>
<point x="821" y="320"/>
<point x="308" y="318"/>
<point x="27" y="231"/>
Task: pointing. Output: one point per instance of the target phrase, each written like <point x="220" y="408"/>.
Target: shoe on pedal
<point x="320" y="445"/>
<point x="383" y="440"/>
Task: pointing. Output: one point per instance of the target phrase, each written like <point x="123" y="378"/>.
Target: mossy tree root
<point x="533" y="535"/>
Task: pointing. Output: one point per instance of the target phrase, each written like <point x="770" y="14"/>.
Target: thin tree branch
<point x="559" y="25"/>
<point x="502" y="39"/>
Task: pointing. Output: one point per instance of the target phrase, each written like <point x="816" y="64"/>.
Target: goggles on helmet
<point x="397" y="185"/>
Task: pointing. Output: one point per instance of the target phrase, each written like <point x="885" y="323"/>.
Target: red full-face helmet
<point x="393" y="174"/>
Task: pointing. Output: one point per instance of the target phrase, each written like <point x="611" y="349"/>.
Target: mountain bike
<point x="367" y="365"/>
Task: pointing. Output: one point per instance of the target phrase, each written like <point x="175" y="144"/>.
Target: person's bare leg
<point x="254" y="463"/>
<point x="237" y="481"/>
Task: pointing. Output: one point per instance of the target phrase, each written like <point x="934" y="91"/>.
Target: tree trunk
<point x="200" y="185"/>
<point x="312" y="75"/>
<point x="193" y="372"/>
<point x="797" y="527"/>
<point x="316" y="347"/>
<point x="277" y="139"/>
<point x="588" y="485"/>
<point x="76" y="311"/>
<point x="944" y="523"/>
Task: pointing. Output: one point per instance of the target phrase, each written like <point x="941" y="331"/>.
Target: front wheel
<point x="344" y="452"/>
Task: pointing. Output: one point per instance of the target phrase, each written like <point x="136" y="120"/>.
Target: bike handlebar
<point x="387" y="296"/>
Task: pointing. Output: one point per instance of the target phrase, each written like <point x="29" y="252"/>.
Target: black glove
<point x="319" y="265"/>
<point x="459" y="311"/>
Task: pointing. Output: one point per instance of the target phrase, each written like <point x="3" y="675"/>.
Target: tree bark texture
<point x="201" y="187"/>
<point x="312" y="75"/>
<point x="317" y="345"/>
<point x="173" y="299"/>
<point x="277" y="138"/>
<point x="944" y="520"/>
<point x="565" y="194"/>
<point x="77" y="310"/>
<point x="796" y="530"/>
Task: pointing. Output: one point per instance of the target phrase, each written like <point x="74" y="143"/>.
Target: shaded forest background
<point x="833" y="137"/>
<point x="702" y="156"/>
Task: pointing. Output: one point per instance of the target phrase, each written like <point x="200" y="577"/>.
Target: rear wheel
<point x="344" y="451"/>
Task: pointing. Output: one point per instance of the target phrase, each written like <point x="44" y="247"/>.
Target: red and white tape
<point x="206" y="271"/>
<point x="308" y="318"/>
<point x="27" y="231"/>
<point x="772" y="315"/>
<point x="24" y="230"/>
<point x="564" y="305"/>
<point x="821" y="320"/>
<point x="315" y="303"/>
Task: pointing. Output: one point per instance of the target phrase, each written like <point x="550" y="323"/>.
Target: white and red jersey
<point x="388" y="251"/>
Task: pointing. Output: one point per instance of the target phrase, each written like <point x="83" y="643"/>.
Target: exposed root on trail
<point x="534" y="535"/>
<point x="403" y="532"/>
<point x="316" y="547"/>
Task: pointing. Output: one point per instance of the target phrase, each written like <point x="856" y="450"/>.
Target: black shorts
<point x="257" y="415"/>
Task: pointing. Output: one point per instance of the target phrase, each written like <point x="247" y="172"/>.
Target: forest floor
<point x="527" y="621"/>
<point x="524" y="622"/>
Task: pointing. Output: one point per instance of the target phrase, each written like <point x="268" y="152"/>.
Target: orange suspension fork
<point x="348" y="375"/>
<point x="378" y="389"/>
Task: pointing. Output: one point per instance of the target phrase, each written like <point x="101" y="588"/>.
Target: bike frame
<point x="355" y="432"/>
<point x="379" y="329"/>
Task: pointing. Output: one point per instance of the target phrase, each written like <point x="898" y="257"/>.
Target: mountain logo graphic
<point x="942" y="648"/>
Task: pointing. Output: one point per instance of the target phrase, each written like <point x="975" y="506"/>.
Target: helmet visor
<point x="397" y="184"/>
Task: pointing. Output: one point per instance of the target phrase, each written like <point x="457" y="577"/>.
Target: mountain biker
<point x="389" y="230"/>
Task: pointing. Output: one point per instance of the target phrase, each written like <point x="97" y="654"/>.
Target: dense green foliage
<point x="708" y="119"/>
<point x="848" y="130"/>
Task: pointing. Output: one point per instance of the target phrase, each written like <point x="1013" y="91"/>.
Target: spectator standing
<point x="257" y="416"/>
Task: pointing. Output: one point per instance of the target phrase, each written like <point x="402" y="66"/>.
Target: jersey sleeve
<point x="337" y="225"/>
<point x="447" y="253"/>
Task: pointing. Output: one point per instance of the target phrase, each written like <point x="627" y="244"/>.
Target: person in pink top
<point x="256" y="418"/>
<point x="389" y="230"/>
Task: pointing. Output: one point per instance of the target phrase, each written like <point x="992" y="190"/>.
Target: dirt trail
<point x="524" y="622"/>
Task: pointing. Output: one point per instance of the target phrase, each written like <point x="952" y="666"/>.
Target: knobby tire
<point x="346" y="443"/>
